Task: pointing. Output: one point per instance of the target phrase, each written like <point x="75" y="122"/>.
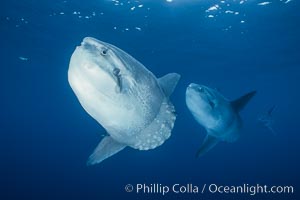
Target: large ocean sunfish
<point x="130" y="103"/>
<point x="219" y="116"/>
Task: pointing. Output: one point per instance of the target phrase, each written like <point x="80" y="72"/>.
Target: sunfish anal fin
<point x="106" y="148"/>
<point x="208" y="143"/>
<point x="168" y="83"/>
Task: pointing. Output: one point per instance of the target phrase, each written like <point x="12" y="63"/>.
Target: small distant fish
<point x="266" y="119"/>
<point x="213" y="8"/>
<point x="229" y="12"/>
<point x="264" y="3"/>
<point x="23" y="58"/>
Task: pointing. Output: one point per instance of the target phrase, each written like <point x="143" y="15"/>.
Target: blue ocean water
<point x="235" y="46"/>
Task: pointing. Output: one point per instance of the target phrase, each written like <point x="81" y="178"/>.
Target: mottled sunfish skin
<point x="122" y="95"/>
<point x="219" y="116"/>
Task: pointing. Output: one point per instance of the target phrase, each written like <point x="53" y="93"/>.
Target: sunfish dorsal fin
<point x="240" y="103"/>
<point x="168" y="83"/>
<point x="208" y="143"/>
<point x="106" y="148"/>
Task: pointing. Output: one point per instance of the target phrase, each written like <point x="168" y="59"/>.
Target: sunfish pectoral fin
<point x="106" y="148"/>
<point x="240" y="103"/>
<point x="168" y="83"/>
<point x="208" y="143"/>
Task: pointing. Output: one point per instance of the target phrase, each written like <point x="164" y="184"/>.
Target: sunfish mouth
<point x="203" y="90"/>
<point x="94" y="45"/>
<point x="92" y="41"/>
<point x="204" y="93"/>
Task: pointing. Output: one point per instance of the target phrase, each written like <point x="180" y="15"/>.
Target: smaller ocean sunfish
<point x="216" y="114"/>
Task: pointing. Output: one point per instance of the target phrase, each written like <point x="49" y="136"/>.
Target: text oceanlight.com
<point x="157" y="188"/>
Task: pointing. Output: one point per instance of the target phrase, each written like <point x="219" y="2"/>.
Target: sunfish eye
<point x="104" y="52"/>
<point x="200" y="89"/>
